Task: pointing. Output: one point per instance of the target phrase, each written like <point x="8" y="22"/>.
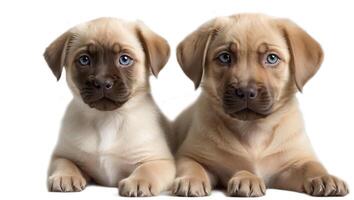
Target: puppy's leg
<point x="246" y="184"/>
<point x="311" y="178"/>
<point x="192" y="179"/>
<point x="149" y="179"/>
<point x="65" y="176"/>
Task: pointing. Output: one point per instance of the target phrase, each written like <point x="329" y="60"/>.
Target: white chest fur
<point x="96" y="149"/>
<point x="107" y="132"/>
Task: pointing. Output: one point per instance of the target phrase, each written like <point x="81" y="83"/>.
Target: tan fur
<point x="126" y="147"/>
<point x="248" y="156"/>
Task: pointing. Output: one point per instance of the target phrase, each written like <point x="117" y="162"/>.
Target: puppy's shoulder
<point x="141" y="114"/>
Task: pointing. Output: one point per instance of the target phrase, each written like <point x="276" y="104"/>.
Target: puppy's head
<point x="107" y="61"/>
<point x="249" y="64"/>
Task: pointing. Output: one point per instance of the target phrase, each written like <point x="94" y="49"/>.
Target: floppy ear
<point x="156" y="48"/>
<point x="55" y="54"/>
<point x="306" y="53"/>
<point x="192" y="51"/>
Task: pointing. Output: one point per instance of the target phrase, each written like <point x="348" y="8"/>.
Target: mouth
<point x="247" y="115"/>
<point x="104" y="101"/>
<point x="247" y="108"/>
<point x="105" y="104"/>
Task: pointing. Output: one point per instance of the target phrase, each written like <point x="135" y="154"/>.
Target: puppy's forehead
<point x="107" y="32"/>
<point x="250" y="31"/>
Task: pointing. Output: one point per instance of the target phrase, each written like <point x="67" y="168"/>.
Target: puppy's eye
<point x="125" y="60"/>
<point x="272" y="59"/>
<point x="84" y="60"/>
<point x="224" y="58"/>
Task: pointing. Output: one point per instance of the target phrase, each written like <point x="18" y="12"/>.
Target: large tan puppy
<point x="245" y="132"/>
<point x="112" y="131"/>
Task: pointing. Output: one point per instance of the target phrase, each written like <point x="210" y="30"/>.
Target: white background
<point x="32" y="102"/>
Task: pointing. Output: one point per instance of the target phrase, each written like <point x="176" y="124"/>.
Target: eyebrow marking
<point x="265" y="46"/>
<point x="233" y="46"/>
<point x="91" y="48"/>
<point x="116" y="48"/>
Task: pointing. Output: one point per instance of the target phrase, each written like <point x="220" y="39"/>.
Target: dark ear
<point x="156" y="48"/>
<point x="306" y="53"/>
<point x="192" y="51"/>
<point x="55" y="54"/>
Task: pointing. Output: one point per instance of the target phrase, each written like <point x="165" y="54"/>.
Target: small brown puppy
<point x="245" y="132"/>
<point x="112" y="132"/>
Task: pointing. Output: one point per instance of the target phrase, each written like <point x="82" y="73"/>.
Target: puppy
<point x="245" y="131"/>
<point x="112" y="132"/>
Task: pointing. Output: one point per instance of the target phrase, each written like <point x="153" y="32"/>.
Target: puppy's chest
<point x="249" y="144"/>
<point x="102" y="137"/>
<point x="264" y="152"/>
<point x="103" y="152"/>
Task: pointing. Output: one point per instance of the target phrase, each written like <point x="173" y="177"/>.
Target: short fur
<point x="265" y="145"/>
<point x="119" y="139"/>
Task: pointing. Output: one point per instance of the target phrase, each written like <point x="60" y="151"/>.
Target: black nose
<point x="105" y="84"/>
<point x="246" y="92"/>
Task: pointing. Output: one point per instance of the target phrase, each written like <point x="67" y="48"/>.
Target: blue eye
<point x="125" y="60"/>
<point x="224" y="58"/>
<point x="272" y="59"/>
<point x="84" y="60"/>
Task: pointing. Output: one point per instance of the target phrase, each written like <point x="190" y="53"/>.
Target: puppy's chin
<point x="246" y="115"/>
<point x="105" y="104"/>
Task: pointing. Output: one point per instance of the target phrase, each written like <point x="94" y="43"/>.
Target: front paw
<point x="135" y="187"/>
<point x="246" y="186"/>
<point x="66" y="183"/>
<point x="327" y="185"/>
<point x="191" y="187"/>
